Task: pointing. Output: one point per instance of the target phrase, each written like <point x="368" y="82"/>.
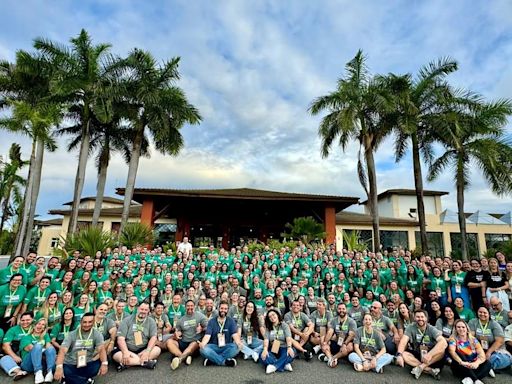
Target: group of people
<point x="65" y="320"/>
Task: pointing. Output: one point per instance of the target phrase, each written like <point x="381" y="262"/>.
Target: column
<point x="330" y="224"/>
<point x="148" y="213"/>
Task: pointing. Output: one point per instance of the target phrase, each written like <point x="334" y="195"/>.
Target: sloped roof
<point x="362" y="219"/>
<point x="449" y="216"/>
<point x="135" y="211"/>
<point x="407" y="192"/>
<point x="106" y="199"/>
<point x="480" y="217"/>
<point x="507" y="218"/>
<point x="47" y="223"/>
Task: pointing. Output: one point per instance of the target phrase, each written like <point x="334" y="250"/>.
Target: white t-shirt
<point x="185" y="248"/>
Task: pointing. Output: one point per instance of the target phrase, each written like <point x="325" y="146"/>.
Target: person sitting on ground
<point x="320" y="318"/>
<point x="11" y="360"/>
<point x="422" y="347"/>
<point x="468" y="357"/>
<point x="300" y="325"/>
<point x="163" y="325"/>
<point x="251" y="329"/>
<point x="82" y="355"/>
<point x="339" y="338"/>
<point x="369" y="348"/>
<point x="221" y="341"/>
<point x="491" y="337"/>
<point x="189" y="329"/>
<point x="278" y="338"/>
<point x="136" y="341"/>
<point x="384" y="324"/>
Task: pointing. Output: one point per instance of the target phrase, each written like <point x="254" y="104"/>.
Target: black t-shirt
<point x="496" y="280"/>
<point x="476" y="277"/>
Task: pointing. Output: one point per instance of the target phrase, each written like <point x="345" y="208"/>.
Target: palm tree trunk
<point x="460" y="207"/>
<point x="5" y="205"/>
<point x="102" y="179"/>
<point x="132" y="175"/>
<point x="418" y="184"/>
<point x="36" y="184"/>
<point x="372" y="199"/>
<point x="80" y="173"/>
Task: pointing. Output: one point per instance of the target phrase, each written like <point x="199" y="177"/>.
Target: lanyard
<point x="176" y="311"/>
<point x="365" y="337"/>
<point x="80" y="334"/>
<point x="98" y="325"/>
<point x="39" y="296"/>
<point x="345" y="322"/>
<point x="221" y="326"/>
<point x="483" y="328"/>
<point x="28" y="331"/>
<point x="12" y="293"/>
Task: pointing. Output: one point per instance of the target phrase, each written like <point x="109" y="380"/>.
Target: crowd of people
<point x="65" y="320"/>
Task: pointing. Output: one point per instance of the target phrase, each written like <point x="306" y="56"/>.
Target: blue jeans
<point x="382" y="361"/>
<point x="218" y="355"/>
<point x="33" y="361"/>
<point x="500" y="360"/>
<point x="76" y="375"/>
<point x="8" y="364"/>
<point x="278" y="360"/>
<point x="255" y="347"/>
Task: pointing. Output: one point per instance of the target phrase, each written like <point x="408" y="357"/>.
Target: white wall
<point x="405" y="203"/>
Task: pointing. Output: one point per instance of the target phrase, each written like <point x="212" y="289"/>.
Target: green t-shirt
<point x="31" y="339"/>
<point x="36" y="297"/>
<point x="60" y="331"/>
<point x="7" y="272"/>
<point x="11" y="299"/>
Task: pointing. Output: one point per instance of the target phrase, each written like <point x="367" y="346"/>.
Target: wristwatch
<point x="398" y="354"/>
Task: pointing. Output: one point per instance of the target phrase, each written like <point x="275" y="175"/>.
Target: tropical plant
<point x="24" y="89"/>
<point x="88" y="241"/>
<point x="305" y="229"/>
<point x="418" y="101"/>
<point x="361" y="108"/>
<point x="11" y="184"/>
<point x="84" y="78"/>
<point x="136" y="234"/>
<point x="354" y="242"/>
<point x="471" y="131"/>
<point x="160" y="109"/>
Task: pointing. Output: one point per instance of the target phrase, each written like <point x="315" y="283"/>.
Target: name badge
<point x="249" y="338"/>
<point x="8" y="311"/>
<point x="81" y="359"/>
<point x="275" y="346"/>
<point x="221" y="340"/>
<point x="137" y="335"/>
<point x="458" y="288"/>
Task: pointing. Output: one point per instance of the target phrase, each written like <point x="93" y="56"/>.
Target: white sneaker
<point x="271" y="369"/>
<point x="188" y="360"/>
<point x="479" y="382"/>
<point x="316" y="348"/>
<point x="49" y="377"/>
<point x="416" y="372"/>
<point x="175" y="363"/>
<point x="255" y="357"/>
<point x="39" y="377"/>
<point x="246" y="357"/>
<point x="467" y="380"/>
<point x="492" y="374"/>
<point x="288" y="367"/>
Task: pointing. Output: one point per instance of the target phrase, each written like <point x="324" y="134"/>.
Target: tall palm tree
<point x="82" y="78"/>
<point x="361" y="108"/>
<point x="11" y="183"/>
<point x="24" y="88"/>
<point x="160" y="109"/>
<point x="471" y="132"/>
<point x="106" y="138"/>
<point x="420" y="100"/>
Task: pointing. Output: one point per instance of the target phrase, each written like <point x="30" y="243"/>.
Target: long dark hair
<point x="268" y="323"/>
<point x="255" y="324"/>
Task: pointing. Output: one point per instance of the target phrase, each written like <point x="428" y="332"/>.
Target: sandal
<point x="19" y="375"/>
<point x="366" y="366"/>
<point x="332" y="363"/>
<point x="358" y="367"/>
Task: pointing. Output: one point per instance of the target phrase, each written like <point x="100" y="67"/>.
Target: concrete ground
<point x="248" y="372"/>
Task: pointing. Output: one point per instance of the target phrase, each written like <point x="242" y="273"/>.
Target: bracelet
<point x="104" y="363"/>
<point x="59" y="366"/>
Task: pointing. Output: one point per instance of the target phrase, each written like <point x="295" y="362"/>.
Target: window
<point x="54" y="243"/>
<point x="472" y="240"/>
<point x="164" y="233"/>
<point x="390" y="239"/>
<point x="435" y="242"/>
<point x="493" y="240"/>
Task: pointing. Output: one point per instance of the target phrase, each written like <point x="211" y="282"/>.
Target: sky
<point x="252" y="68"/>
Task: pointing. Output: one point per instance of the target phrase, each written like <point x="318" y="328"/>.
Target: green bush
<point x="136" y="234"/>
<point x="89" y="240"/>
<point x="353" y="241"/>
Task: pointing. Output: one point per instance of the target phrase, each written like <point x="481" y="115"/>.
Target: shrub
<point x="136" y="233"/>
<point x="89" y="240"/>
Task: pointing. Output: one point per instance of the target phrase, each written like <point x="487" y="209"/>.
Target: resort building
<point x="227" y="217"/>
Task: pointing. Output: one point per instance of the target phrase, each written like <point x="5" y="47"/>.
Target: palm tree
<point x="84" y="79"/>
<point x="419" y="100"/>
<point x="106" y="138"/>
<point x="360" y="109"/>
<point x="25" y="91"/>
<point x="160" y="110"/>
<point x="11" y="183"/>
<point x="471" y="131"/>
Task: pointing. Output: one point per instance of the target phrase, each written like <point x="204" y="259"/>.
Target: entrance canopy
<point x="226" y="215"/>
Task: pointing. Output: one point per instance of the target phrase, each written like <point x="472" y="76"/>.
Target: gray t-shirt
<point x="383" y="324"/>
<point x="235" y="312"/>
<point x="246" y="326"/>
<point x="371" y="342"/>
<point x="161" y="322"/>
<point x="357" y="314"/>
<point x="299" y="322"/>
<point x="487" y="333"/>
<point x="280" y="333"/>
<point x="321" y="321"/>
<point x="105" y="327"/>
<point x="78" y="341"/>
<point x="446" y="329"/>
<point x="500" y="317"/>
<point x="345" y="326"/>
<point x="187" y="325"/>
<point x="418" y="337"/>
<point x="130" y="325"/>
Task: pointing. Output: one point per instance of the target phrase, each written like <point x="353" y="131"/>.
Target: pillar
<point x="330" y="224"/>
<point x="148" y="213"/>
